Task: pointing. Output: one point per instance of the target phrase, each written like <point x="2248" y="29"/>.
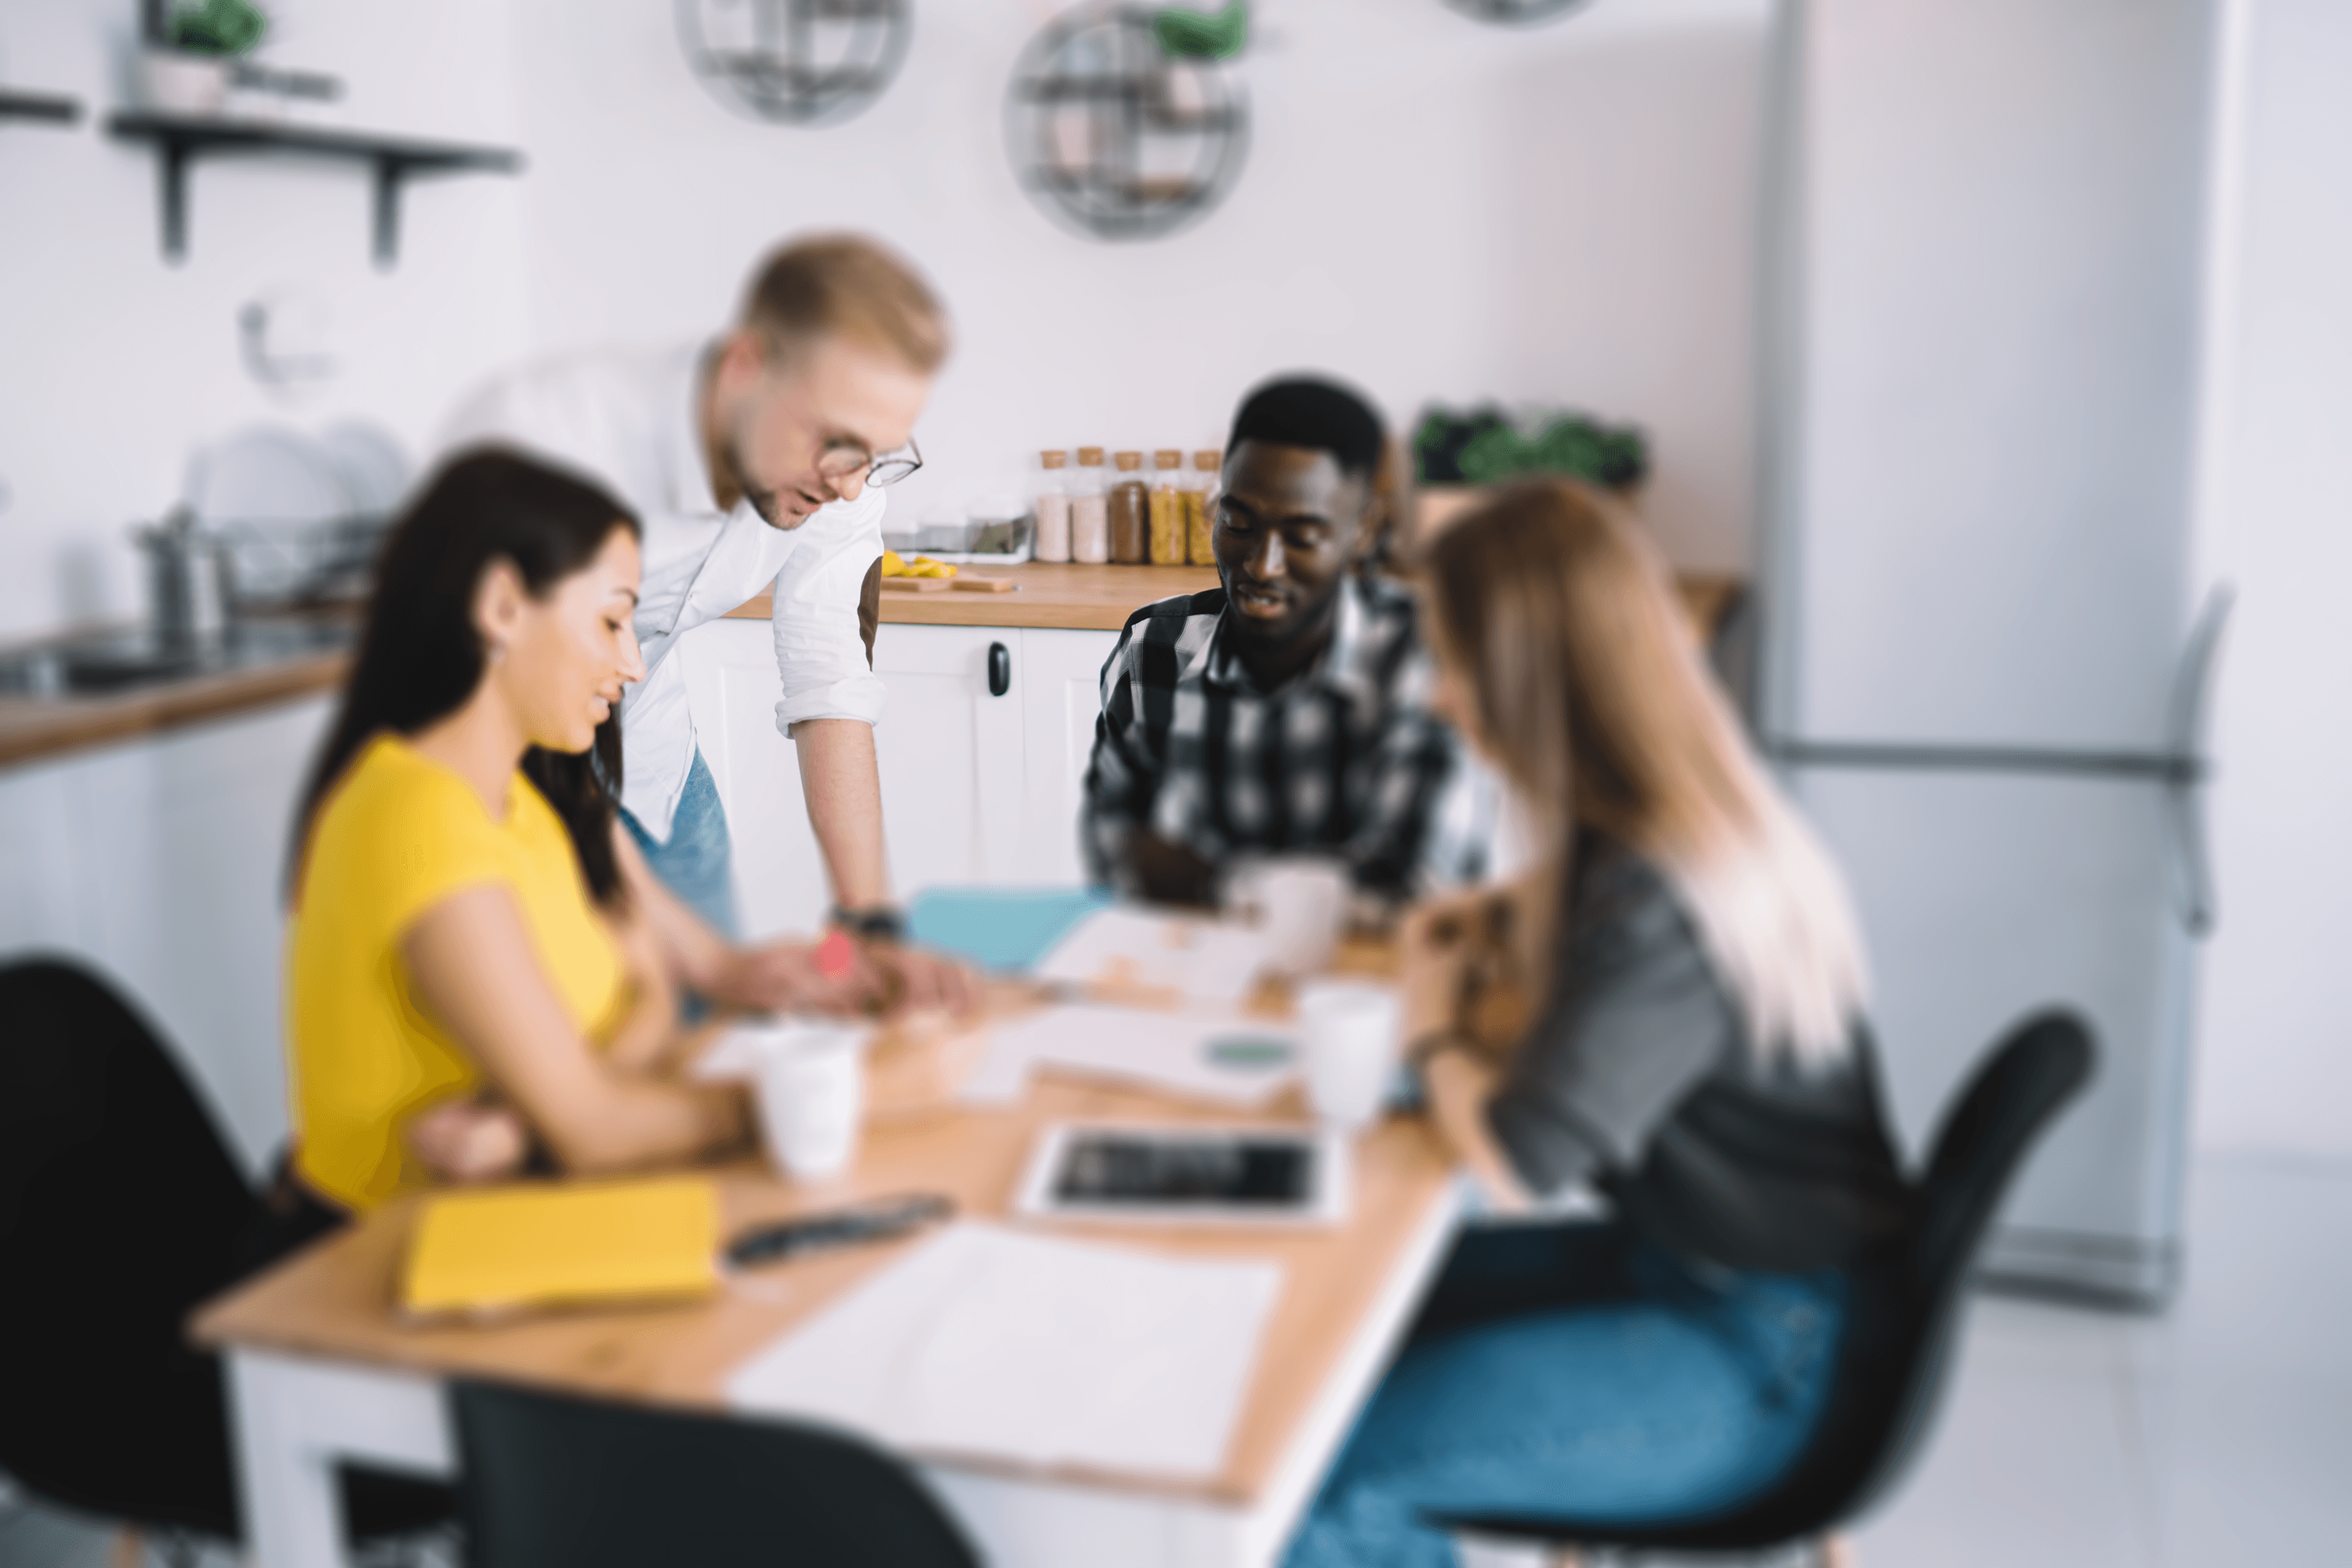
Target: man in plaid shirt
<point x="1287" y="711"/>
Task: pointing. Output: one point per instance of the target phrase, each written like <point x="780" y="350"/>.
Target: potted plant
<point x="189" y="46"/>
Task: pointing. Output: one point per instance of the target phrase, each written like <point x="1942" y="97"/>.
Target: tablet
<point x="1192" y="1174"/>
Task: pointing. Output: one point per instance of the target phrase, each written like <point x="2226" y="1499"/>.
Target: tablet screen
<point x="1222" y="1170"/>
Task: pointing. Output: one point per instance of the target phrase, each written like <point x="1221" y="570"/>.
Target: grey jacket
<point x="1637" y="1078"/>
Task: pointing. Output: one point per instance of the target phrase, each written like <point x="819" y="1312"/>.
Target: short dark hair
<point x="1318" y="414"/>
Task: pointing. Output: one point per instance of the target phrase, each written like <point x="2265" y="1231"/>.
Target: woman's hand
<point x="841" y="974"/>
<point x="1459" y="1086"/>
<point x="468" y="1141"/>
<point x="1434" y="945"/>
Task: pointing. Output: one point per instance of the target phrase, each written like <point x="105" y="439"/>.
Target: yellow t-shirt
<point x="397" y="835"/>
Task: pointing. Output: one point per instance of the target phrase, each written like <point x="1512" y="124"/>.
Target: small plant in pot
<point x="190" y="45"/>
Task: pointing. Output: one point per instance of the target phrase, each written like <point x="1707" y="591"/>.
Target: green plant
<point x="222" y="28"/>
<point x="1210" y="36"/>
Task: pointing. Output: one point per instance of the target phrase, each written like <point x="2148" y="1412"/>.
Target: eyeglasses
<point x="846" y="460"/>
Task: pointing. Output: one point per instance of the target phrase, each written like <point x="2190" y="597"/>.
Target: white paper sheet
<point x="989" y="1342"/>
<point x="1201" y="958"/>
<point x="1172" y="1051"/>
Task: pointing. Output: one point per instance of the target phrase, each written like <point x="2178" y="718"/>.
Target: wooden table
<point x="321" y="1370"/>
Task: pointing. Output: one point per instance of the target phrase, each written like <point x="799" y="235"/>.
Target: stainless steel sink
<point x="111" y="662"/>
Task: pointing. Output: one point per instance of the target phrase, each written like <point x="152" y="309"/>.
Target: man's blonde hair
<point x="846" y="285"/>
<point x="1589" y="690"/>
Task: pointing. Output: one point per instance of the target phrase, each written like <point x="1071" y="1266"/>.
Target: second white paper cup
<point x="1350" y="1030"/>
<point x="811" y="1088"/>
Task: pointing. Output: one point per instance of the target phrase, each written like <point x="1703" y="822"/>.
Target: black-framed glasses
<point x="836" y="464"/>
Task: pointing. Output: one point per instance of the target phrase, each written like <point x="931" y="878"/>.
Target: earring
<point x="498" y="652"/>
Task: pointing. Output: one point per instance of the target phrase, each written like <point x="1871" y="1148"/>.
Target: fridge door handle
<point x="2191" y="713"/>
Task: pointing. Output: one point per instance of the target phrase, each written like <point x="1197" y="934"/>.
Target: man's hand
<point x="916" y="980"/>
<point x="1168" y="873"/>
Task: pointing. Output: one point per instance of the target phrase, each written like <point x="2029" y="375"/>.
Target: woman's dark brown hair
<point x="421" y="658"/>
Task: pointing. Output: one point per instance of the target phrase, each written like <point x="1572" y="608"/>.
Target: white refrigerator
<point x="1981" y="667"/>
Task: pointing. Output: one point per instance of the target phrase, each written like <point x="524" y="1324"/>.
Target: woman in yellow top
<point x="476" y="962"/>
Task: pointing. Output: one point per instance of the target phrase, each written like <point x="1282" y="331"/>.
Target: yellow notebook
<point x="504" y="1250"/>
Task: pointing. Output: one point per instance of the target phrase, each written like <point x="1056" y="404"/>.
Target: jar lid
<point x="1166" y="458"/>
<point x="1208" y="462"/>
<point x="1054" y="459"/>
<point x="1090" y="457"/>
<point x="1129" y="461"/>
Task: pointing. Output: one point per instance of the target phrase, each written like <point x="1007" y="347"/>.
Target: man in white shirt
<point x="754" y="461"/>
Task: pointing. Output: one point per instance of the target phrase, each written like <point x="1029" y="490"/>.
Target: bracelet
<point x="880" y="923"/>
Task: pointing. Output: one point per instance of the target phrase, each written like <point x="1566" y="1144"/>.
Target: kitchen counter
<point x="1100" y="598"/>
<point x="1066" y="597"/>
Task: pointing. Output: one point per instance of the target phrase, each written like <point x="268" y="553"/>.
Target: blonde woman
<point x="1697" y="1052"/>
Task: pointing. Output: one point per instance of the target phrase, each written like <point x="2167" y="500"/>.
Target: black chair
<point x="1903" y="1327"/>
<point x="120" y="1210"/>
<point x="582" y="1483"/>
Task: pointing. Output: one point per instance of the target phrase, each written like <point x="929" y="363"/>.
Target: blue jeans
<point x="1575" y="1371"/>
<point x="694" y="863"/>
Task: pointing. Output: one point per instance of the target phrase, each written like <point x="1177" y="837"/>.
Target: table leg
<point x="294" y="1419"/>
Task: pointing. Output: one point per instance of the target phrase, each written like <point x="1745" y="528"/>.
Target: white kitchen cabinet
<point x="976" y="787"/>
<point x="158" y="864"/>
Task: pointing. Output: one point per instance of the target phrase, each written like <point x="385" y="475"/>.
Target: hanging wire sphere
<point x="1517" y="13"/>
<point x="1116" y="138"/>
<point x="798" y="62"/>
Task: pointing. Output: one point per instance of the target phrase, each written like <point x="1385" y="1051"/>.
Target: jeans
<point x="694" y="863"/>
<point x="1576" y="1372"/>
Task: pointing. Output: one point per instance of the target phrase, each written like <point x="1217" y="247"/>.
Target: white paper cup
<point x="1350" y="1030"/>
<point x="812" y="1086"/>
<point x="1299" y="903"/>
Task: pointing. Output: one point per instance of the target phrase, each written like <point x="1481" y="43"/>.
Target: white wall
<point x="113" y="363"/>
<point x="2276" y="1037"/>
<point x="1434" y="209"/>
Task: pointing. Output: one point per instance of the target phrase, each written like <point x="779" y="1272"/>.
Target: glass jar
<point x="1053" y="507"/>
<point x="1089" y="508"/>
<point x="1201" y="508"/>
<point x="1130" y="511"/>
<point x="1168" y="518"/>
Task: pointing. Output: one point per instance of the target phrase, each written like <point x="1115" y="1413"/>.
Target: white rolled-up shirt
<point x="625" y="419"/>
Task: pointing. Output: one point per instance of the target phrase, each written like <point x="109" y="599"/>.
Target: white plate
<point x="374" y="471"/>
<point x="266" y="474"/>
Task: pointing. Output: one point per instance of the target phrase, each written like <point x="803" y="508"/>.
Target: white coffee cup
<point x="1350" y="1030"/>
<point x="811" y="1082"/>
<point x="1300" y="902"/>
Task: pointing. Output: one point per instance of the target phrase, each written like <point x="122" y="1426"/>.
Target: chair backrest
<point x="1977" y="1149"/>
<point x="120" y="1209"/>
<point x="554" y="1480"/>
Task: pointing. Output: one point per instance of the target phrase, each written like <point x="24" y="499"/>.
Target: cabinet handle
<point x="1000" y="669"/>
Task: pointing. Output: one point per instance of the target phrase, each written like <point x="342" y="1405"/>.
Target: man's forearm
<point x="843" y="786"/>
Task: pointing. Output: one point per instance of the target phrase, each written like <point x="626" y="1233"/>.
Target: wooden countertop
<point x="336" y="1299"/>
<point x="1100" y="598"/>
<point x="33" y="729"/>
<point x="1057" y="597"/>
<point x="1085" y="599"/>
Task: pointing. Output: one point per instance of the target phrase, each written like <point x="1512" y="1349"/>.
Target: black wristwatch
<point x="880" y="923"/>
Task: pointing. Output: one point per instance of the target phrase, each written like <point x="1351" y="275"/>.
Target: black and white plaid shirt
<point x="1345" y="760"/>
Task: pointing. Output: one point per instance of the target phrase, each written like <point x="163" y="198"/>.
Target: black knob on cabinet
<point x="1000" y="669"/>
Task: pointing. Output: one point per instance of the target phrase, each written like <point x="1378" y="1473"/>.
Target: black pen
<point x="879" y="1220"/>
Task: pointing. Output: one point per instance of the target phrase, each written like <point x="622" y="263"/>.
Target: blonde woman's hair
<point x="845" y="283"/>
<point x="1588" y="691"/>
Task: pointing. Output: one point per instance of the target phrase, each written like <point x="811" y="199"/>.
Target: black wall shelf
<point x="38" y="106"/>
<point x="182" y="140"/>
